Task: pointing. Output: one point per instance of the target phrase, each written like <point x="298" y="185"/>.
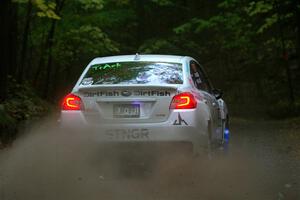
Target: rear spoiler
<point x="133" y="86"/>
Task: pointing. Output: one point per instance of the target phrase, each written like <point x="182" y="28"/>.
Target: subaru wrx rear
<point x="145" y="98"/>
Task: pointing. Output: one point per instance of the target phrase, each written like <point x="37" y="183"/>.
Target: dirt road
<point x="262" y="162"/>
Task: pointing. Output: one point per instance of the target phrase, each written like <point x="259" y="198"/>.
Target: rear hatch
<point x="128" y="105"/>
<point x="129" y="92"/>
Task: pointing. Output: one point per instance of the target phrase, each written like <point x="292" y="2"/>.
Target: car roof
<point x="138" y="57"/>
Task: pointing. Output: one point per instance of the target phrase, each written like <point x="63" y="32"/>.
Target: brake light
<point x="184" y="100"/>
<point x="72" y="102"/>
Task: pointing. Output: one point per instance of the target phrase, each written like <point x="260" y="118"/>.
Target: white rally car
<point x="147" y="98"/>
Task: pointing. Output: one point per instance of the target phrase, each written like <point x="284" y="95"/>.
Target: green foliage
<point x="23" y="103"/>
<point x="93" y="40"/>
<point x="6" y="120"/>
<point x="82" y="42"/>
<point x="226" y="30"/>
<point x="120" y="2"/>
<point x="155" y="46"/>
<point x="46" y="9"/>
<point x="259" y="7"/>
<point x="268" y="23"/>
<point x="164" y="2"/>
<point x="92" y="4"/>
<point x="269" y="11"/>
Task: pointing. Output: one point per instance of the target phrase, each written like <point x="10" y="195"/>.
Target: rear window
<point x="134" y="73"/>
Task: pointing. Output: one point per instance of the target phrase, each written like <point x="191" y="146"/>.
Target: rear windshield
<point x="134" y="73"/>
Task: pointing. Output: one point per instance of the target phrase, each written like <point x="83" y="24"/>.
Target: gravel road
<point x="262" y="162"/>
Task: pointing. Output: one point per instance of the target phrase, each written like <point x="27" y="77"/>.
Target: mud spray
<point x="46" y="163"/>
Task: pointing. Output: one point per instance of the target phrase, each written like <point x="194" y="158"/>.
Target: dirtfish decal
<point x="115" y="93"/>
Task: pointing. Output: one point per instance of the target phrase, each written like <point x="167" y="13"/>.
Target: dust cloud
<point x="47" y="163"/>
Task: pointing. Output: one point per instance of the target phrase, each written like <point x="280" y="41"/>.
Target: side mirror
<point x="217" y="93"/>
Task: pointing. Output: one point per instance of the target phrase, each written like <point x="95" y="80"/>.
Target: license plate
<point x="126" y="110"/>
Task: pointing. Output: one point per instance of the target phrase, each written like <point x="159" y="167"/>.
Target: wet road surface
<point x="262" y="162"/>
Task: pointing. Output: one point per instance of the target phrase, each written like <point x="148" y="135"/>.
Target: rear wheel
<point x="226" y="135"/>
<point x="225" y="129"/>
<point x="218" y="148"/>
<point x="206" y="151"/>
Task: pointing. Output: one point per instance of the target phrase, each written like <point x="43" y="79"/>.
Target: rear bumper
<point x="167" y="131"/>
<point x="144" y="132"/>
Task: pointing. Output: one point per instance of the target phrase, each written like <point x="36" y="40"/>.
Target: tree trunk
<point x="49" y="56"/>
<point x="59" y="6"/>
<point x="297" y="14"/>
<point x="290" y="87"/>
<point x="22" y="64"/>
<point x="48" y="49"/>
<point x="40" y="63"/>
<point x="13" y="40"/>
<point x="7" y="41"/>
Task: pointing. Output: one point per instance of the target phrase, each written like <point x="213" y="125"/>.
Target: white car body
<point x="153" y="120"/>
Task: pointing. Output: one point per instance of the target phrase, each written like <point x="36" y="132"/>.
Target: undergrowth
<point x="21" y="104"/>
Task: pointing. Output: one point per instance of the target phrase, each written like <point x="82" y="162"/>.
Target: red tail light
<point x="183" y="101"/>
<point x="72" y="102"/>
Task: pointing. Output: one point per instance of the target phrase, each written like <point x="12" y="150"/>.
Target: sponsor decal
<point x="105" y="66"/>
<point x="126" y="93"/>
<point x="87" y="81"/>
<point x="128" y="134"/>
<point x="151" y="93"/>
<point x="102" y="93"/>
<point x="179" y="121"/>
